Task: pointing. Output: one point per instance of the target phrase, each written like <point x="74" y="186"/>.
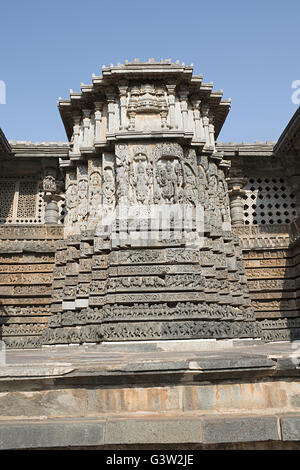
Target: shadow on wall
<point x="3" y="319"/>
<point x="292" y="282"/>
<point x="273" y="279"/>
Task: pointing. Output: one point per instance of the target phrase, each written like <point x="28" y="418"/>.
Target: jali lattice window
<point x="268" y="201"/>
<point x="21" y="201"/>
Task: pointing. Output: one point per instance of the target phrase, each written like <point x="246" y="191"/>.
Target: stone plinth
<point x="100" y="396"/>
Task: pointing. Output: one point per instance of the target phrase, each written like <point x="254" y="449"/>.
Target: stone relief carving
<point x="141" y="178"/>
<point x="147" y="99"/>
<point x="82" y="208"/>
<point x="94" y="193"/>
<point x="71" y="198"/>
<point x="108" y="186"/>
<point x="94" y="189"/>
<point x="122" y="173"/>
<point x="49" y="180"/>
<point x="151" y="99"/>
<point x="121" y="285"/>
<point x="169" y="181"/>
<point x="190" y="187"/>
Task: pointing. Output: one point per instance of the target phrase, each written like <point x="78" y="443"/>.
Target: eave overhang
<point x="165" y="71"/>
<point x="289" y="141"/>
<point x="5" y="147"/>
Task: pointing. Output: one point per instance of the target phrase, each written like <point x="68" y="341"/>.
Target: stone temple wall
<point x="27" y="243"/>
<point x="271" y="265"/>
<point x="26" y="276"/>
<point x="59" y="287"/>
<point x="144" y="135"/>
<point x="268" y="230"/>
<point x="128" y="298"/>
<point x="121" y="286"/>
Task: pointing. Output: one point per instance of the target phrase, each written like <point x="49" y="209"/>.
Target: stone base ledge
<point x="31" y="232"/>
<point x="62" y="433"/>
<point x="151" y="363"/>
<point x="179" y="345"/>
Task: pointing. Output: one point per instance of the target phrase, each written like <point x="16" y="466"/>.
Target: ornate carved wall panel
<point x="26" y="277"/>
<point x="270" y="254"/>
<point x="133" y="281"/>
<point x="142" y="227"/>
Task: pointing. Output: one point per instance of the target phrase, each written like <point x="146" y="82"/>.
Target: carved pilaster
<point x="76" y="133"/>
<point x="199" y="131"/>
<point x="86" y="127"/>
<point x="82" y="195"/>
<point x="211" y="130"/>
<point x="110" y="110"/>
<point x="51" y="197"/>
<point x="164" y="115"/>
<point x="98" y="118"/>
<point x="134" y="95"/>
<point x="131" y="115"/>
<point x="183" y="94"/>
<point x="94" y="190"/>
<point x="236" y="196"/>
<point x="163" y="106"/>
<point x="205" y="120"/>
<point x="123" y="103"/>
<point x="171" y="99"/>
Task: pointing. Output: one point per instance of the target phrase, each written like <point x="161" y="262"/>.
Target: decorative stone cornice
<point x="259" y="237"/>
<point x="289" y="141"/>
<point x="240" y="149"/>
<point x="26" y="149"/>
<point x="29" y="232"/>
<point x="4" y="144"/>
<point x="146" y="100"/>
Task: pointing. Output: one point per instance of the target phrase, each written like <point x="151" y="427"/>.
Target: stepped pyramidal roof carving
<point x="140" y="100"/>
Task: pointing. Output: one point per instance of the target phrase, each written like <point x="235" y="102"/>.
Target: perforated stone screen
<point x="21" y="201"/>
<point x="268" y="201"/>
<point x="7" y="194"/>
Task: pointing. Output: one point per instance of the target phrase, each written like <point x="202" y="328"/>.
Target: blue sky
<point x="250" y="49"/>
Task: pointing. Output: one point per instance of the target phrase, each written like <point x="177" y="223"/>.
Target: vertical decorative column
<point x="98" y="117"/>
<point x="51" y="198"/>
<point x="205" y="120"/>
<point x="236" y="196"/>
<point x="86" y="127"/>
<point x="183" y="94"/>
<point x="110" y="109"/>
<point x="134" y="96"/>
<point x="76" y="134"/>
<point x="171" y="99"/>
<point x="199" y="131"/>
<point x="123" y="103"/>
<point x="211" y="130"/>
<point x="70" y="200"/>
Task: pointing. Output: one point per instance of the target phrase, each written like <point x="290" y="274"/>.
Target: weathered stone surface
<point x="290" y="427"/>
<point x="152" y="431"/>
<point x="236" y="250"/>
<point x="240" y="429"/>
<point x="27" y="232"/>
<point x="26" y="268"/>
<point x="34" y="435"/>
<point x="85" y="433"/>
